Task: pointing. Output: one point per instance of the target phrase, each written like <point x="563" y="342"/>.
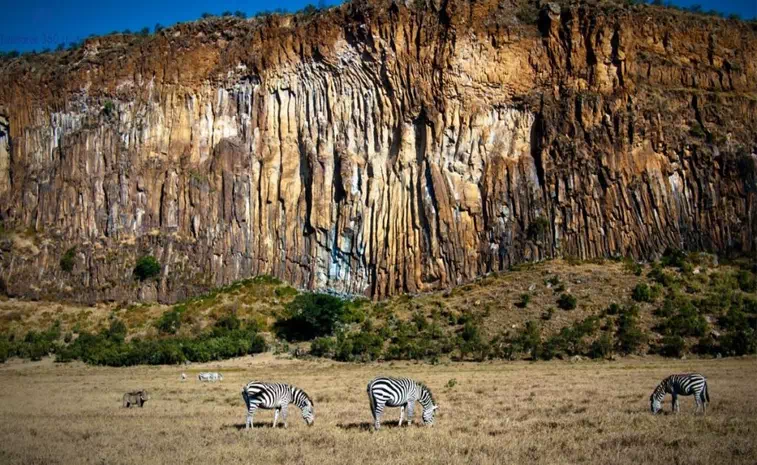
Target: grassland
<point x="491" y="413"/>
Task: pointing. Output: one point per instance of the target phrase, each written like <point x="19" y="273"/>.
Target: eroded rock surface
<point x="375" y="148"/>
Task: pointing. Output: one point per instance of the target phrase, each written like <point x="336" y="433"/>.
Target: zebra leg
<point x="675" y="407"/>
<point x="284" y="413"/>
<point x="402" y="412"/>
<point x="410" y="410"/>
<point x="377" y="410"/>
<point x="250" y="415"/>
<point x="276" y="416"/>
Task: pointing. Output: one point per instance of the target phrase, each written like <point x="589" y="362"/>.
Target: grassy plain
<point x="491" y="413"/>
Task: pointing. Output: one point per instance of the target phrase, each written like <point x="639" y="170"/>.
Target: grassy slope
<point x="495" y="301"/>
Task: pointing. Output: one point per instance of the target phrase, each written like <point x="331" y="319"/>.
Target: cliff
<point x="375" y="148"/>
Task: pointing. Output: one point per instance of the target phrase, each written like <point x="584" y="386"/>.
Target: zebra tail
<point x="372" y="402"/>
<point x="706" y="392"/>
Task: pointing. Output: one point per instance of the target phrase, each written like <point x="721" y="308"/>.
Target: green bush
<point x="672" y="346"/>
<point x="570" y="340"/>
<point x="675" y="258"/>
<point x="567" y="302"/>
<point x="116" y="332"/>
<point x="537" y="228"/>
<point x="311" y="315"/>
<point x="360" y="346"/>
<point x="104" y="349"/>
<point x="641" y="293"/>
<point x="684" y="321"/>
<point x="742" y="342"/>
<point x="524" y="301"/>
<point x="602" y="347"/>
<point x="323" y="347"/>
<point x="629" y="337"/>
<point x="67" y="260"/>
<point x="746" y="280"/>
<point x="472" y="343"/>
<point x="632" y="267"/>
<point x="659" y="275"/>
<point x="170" y="321"/>
<point x="147" y="267"/>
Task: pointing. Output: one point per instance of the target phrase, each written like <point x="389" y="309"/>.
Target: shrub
<point x="145" y="31"/>
<point x="546" y="316"/>
<point x="323" y="347"/>
<point x="747" y="281"/>
<point x="537" y="228"/>
<point x="147" y="267"/>
<point x="309" y="10"/>
<point x="5" y="349"/>
<point x="109" y="108"/>
<point x="686" y="321"/>
<point x="641" y="293"/>
<point x="632" y="267"/>
<point x="528" y="13"/>
<point x="629" y="337"/>
<point x="67" y="260"/>
<point x="311" y="315"/>
<point x="601" y="347"/>
<point x="672" y="346"/>
<point x="170" y="321"/>
<point x="240" y="14"/>
<point x="697" y="131"/>
<point x="472" y="343"/>
<point x="673" y="258"/>
<point x="659" y="275"/>
<point x="206" y="15"/>
<point x="116" y="332"/>
<point x="524" y="300"/>
<point x="567" y="302"/>
<point x="158" y="27"/>
<point x="359" y="347"/>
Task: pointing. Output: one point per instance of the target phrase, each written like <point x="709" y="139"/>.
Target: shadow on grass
<point x="242" y="426"/>
<point x="367" y="426"/>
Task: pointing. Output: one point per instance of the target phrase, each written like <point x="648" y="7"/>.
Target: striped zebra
<point x="403" y="393"/>
<point x="210" y="377"/>
<point x="681" y="385"/>
<point x="276" y="396"/>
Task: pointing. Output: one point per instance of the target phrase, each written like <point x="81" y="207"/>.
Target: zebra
<point x="681" y="385"/>
<point x="276" y="396"/>
<point x="210" y="377"/>
<point x="403" y="393"/>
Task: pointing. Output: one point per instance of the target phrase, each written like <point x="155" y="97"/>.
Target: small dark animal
<point x="135" y="398"/>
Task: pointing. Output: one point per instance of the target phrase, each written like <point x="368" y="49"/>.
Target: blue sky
<point x="38" y="24"/>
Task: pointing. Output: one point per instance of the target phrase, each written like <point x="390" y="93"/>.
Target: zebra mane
<point x="426" y="389"/>
<point x="304" y="394"/>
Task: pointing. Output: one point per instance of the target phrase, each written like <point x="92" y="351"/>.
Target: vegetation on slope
<point x="680" y="305"/>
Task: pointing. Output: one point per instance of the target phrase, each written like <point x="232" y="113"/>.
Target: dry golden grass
<point x="550" y="413"/>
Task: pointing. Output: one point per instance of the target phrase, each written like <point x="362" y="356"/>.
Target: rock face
<point x="375" y="148"/>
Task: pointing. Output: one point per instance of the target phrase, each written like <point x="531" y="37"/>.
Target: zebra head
<point x="305" y="404"/>
<point x="655" y="400"/>
<point x="428" y="414"/>
<point x="429" y="405"/>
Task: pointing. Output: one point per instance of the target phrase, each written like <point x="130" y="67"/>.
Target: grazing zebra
<point x="403" y="393"/>
<point x="276" y="396"/>
<point x="210" y="377"/>
<point x="681" y="385"/>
